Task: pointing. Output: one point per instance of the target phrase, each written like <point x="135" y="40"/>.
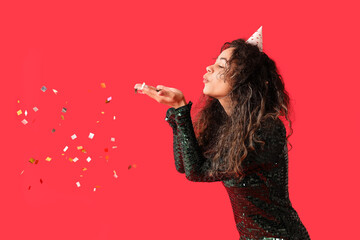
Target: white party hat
<point x="256" y="39"/>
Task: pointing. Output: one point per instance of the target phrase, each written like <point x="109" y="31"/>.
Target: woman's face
<point x="215" y="84"/>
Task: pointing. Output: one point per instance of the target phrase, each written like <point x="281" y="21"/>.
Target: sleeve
<point x="195" y="165"/>
<point x="170" y="115"/>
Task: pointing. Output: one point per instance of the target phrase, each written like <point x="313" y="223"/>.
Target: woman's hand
<point x="165" y="95"/>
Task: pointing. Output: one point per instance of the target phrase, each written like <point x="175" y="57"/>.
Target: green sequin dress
<point x="260" y="201"/>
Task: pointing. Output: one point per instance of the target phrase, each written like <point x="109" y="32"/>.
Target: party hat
<point x="256" y="39"/>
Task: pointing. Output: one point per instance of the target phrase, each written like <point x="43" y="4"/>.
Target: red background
<point x="74" y="46"/>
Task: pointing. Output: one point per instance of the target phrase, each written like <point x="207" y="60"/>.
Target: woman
<point x="239" y="140"/>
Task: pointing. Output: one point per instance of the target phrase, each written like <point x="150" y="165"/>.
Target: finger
<point x="151" y="92"/>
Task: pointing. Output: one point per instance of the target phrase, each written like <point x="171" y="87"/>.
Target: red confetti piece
<point x="41" y="181"/>
<point x="106" y="150"/>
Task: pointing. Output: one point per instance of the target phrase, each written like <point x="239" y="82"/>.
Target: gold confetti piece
<point x="25" y="113"/>
<point x="21" y="172"/>
<point x="24" y="122"/>
<point x="78" y="184"/>
<point x="41" y="181"/>
<point x="107" y="157"/>
<point x="32" y="160"/>
<point x="97" y="121"/>
<point x="70" y="159"/>
<point x="66" y="148"/>
<point x="63" y="154"/>
<point x="80" y="147"/>
<point x="115" y="176"/>
<point x="129" y="166"/>
<point x="35" y="109"/>
<point x="48" y="159"/>
<point x="73" y="136"/>
<point x="62" y="117"/>
<point x="134" y="165"/>
<point x="102" y="112"/>
<point x="103" y="85"/>
<point x="97" y="186"/>
<point x="84" y="169"/>
<point x="84" y="151"/>
<point x="19" y="112"/>
<point x="18" y="101"/>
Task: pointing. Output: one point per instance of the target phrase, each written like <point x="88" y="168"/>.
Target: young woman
<point x="239" y="140"/>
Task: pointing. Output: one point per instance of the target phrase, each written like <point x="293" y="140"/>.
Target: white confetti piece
<point x="75" y="159"/>
<point x="114" y="117"/>
<point x="35" y="109"/>
<point x="115" y="176"/>
<point x="91" y="135"/>
<point x="25" y="113"/>
<point x="88" y="159"/>
<point x="109" y="99"/>
<point x="64" y="110"/>
<point x="66" y="148"/>
<point x="73" y="136"/>
<point x="78" y="184"/>
<point x="43" y="88"/>
<point x="114" y="147"/>
<point x="22" y="172"/>
<point x="94" y="189"/>
<point x="142" y="86"/>
<point x="55" y="91"/>
<point x="24" y="121"/>
<point x="113" y="139"/>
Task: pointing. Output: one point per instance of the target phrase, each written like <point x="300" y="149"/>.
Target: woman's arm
<point x="195" y="165"/>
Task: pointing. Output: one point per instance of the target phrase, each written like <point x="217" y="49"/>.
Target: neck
<point x="226" y="104"/>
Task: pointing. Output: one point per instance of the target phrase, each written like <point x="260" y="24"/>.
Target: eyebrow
<point x="224" y="59"/>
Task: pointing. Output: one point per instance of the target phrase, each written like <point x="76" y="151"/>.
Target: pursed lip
<point x="205" y="80"/>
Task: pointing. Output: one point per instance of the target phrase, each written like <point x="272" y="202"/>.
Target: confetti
<point x="107" y="157"/>
<point x="29" y="187"/>
<point x="84" y="169"/>
<point x="115" y="176"/>
<point x="78" y="184"/>
<point x="94" y="189"/>
<point x="62" y="117"/>
<point x="80" y="147"/>
<point x="21" y="172"/>
<point x="102" y="112"/>
<point x="24" y="121"/>
<point x="114" y="117"/>
<point x="81" y="175"/>
<point x="88" y="159"/>
<point x="19" y="112"/>
<point x="97" y="121"/>
<point x="35" y="109"/>
<point x="41" y="181"/>
<point x="103" y="85"/>
<point x="113" y="139"/>
<point x="55" y="91"/>
<point x="36" y="161"/>
<point x="91" y="135"/>
<point x="25" y="113"/>
<point x="108" y="99"/>
<point x="134" y="165"/>
<point x="18" y="101"/>
<point x="32" y="160"/>
<point x="43" y="88"/>
<point x="64" y="110"/>
<point x="142" y="86"/>
<point x="75" y="159"/>
<point x="114" y="147"/>
<point x="53" y="130"/>
<point x="129" y="166"/>
<point x="48" y="159"/>
<point x="106" y="150"/>
<point x="66" y="148"/>
<point x="70" y="159"/>
<point x="84" y="151"/>
<point x="73" y="136"/>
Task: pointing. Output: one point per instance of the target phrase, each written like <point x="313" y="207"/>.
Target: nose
<point x="208" y="69"/>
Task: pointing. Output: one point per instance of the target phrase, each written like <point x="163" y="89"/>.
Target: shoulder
<point x="272" y="132"/>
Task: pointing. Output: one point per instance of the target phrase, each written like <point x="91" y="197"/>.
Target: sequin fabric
<point x="260" y="201"/>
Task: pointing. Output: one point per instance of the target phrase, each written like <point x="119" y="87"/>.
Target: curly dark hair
<point x="258" y="93"/>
